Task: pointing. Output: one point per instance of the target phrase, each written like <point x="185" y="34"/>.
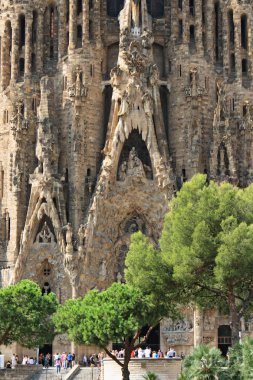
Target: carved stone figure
<point x="135" y="167"/>
<point x="45" y="235"/>
<point x="123" y="171"/>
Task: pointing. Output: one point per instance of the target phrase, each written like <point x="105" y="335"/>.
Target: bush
<point x="204" y="363"/>
<point x="150" y="376"/>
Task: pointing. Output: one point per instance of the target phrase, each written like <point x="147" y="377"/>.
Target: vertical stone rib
<point x="28" y="48"/>
<point x="15" y="51"/>
<point x="86" y="17"/>
<point x="39" y="44"/>
<point x="198" y="26"/>
<point x="72" y="24"/>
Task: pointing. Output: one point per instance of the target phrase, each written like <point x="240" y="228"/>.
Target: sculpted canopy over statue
<point x="136" y="4"/>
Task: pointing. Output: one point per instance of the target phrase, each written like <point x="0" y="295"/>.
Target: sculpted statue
<point x="135" y="167"/>
<point x="123" y="171"/>
<point x="45" y="235"/>
<point x="81" y="235"/>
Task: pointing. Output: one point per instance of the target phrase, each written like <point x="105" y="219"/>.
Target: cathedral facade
<point x="106" y="108"/>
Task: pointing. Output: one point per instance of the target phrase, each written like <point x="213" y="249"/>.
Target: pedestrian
<point x="73" y="359"/>
<point x="13" y="361"/>
<point x="70" y="357"/>
<point x="58" y="365"/>
<point x="85" y="361"/>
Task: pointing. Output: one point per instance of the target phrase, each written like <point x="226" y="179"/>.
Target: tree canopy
<point x="205" y="254"/>
<point x="116" y="314"/>
<point x="25" y="315"/>
<point x="207" y="239"/>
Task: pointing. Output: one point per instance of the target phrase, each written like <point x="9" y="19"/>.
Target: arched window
<point x="114" y="7"/>
<point x="156" y="8"/>
<point x="34" y="27"/>
<point x="244" y="31"/>
<point x="231" y="25"/>
<point x="79" y="7"/>
<point x="79" y="36"/>
<point x="21" y="31"/>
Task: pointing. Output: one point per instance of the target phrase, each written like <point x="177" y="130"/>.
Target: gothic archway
<point x="135" y="148"/>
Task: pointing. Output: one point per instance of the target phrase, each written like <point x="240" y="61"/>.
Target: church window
<point x="192" y="35"/>
<point x="6" y="117"/>
<point x="180" y="30"/>
<point x="46" y="288"/>
<point x="244" y="32"/>
<point x="34" y="105"/>
<point x="91" y="30"/>
<point x="156" y="8"/>
<point x="33" y="63"/>
<point x="218" y="33"/>
<point x="114" y="7"/>
<point x="21" y="31"/>
<point x="79" y="7"/>
<point x="180" y="4"/>
<point x="192" y="7"/>
<point x="67" y="11"/>
<point x="34" y="27"/>
<point x="231" y="25"/>
<point x="21" y="67"/>
<point x="244" y="67"/>
<point x="232" y="63"/>
<point x="65" y="83"/>
<point x="90" y="4"/>
<point x="79" y="36"/>
<point x="1" y="181"/>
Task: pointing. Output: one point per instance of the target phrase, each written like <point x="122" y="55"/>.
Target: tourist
<point x="147" y="352"/>
<point x="85" y="361"/>
<point x="73" y="359"/>
<point x="58" y="364"/>
<point x="13" y="361"/>
<point x="70" y="357"/>
<point x="140" y="353"/>
<point x="25" y="360"/>
<point x="31" y="361"/>
<point x="8" y="364"/>
<point x="160" y="354"/>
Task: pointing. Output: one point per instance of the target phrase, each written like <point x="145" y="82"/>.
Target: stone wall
<point x="165" y="369"/>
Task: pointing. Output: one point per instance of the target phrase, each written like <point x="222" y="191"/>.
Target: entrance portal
<point x="46" y="349"/>
<point x="224" y="339"/>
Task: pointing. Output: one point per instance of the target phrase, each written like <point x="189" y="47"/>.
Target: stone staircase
<point x="50" y="374"/>
<point x="87" y="374"/>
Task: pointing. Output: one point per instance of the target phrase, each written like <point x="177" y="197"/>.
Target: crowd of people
<point x="68" y="360"/>
<point x="147" y="353"/>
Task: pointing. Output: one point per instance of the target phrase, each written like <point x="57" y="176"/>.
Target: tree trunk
<point x="125" y="372"/>
<point x="235" y="321"/>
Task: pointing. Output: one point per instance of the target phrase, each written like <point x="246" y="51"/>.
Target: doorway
<point x="46" y="349"/>
<point x="224" y="339"/>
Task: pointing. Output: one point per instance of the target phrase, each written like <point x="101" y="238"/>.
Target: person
<point x="58" y="364"/>
<point x="85" y="361"/>
<point x="147" y="352"/>
<point x="160" y="354"/>
<point x="25" y="360"/>
<point x="70" y="357"/>
<point x="8" y="364"/>
<point x="73" y="359"/>
<point x="13" y="361"/>
<point x="140" y="353"/>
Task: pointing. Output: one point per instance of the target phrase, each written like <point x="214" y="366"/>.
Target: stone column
<point x="28" y="47"/>
<point x="210" y="25"/>
<point x="39" y="44"/>
<point x="72" y="24"/>
<point x="96" y="21"/>
<point x="86" y="17"/>
<point x="15" y="51"/>
<point x="226" y="37"/>
<point x="238" y="55"/>
<point x="198" y="326"/>
<point x="174" y="20"/>
<point x="62" y="30"/>
<point x="198" y="26"/>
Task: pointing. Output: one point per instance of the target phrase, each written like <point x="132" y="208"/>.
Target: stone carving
<point x="180" y="339"/>
<point x="102" y="270"/>
<point x="194" y="89"/>
<point x="45" y="235"/>
<point x="182" y="325"/>
<point x="18" y="122"/>
<point x="135" y="167"/>
<point x="77" y="91"/>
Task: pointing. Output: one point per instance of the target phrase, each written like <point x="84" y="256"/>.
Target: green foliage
<point x="115" y="314"/>
<point x="146" y="270"/>
<point x="204" y="363"/>
<point x="150" y="376"/>
<point x="247" y="359"/>
<point x="235" y="362"/>
<point x="25" y="315"/>
<point x="208" y="241"/>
